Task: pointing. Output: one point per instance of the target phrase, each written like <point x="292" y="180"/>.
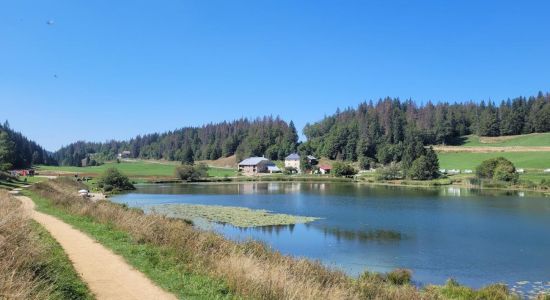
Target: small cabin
<point x="325" y="169"/>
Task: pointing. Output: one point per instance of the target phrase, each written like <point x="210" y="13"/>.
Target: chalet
<point x="293" y="161"/>
<point x="255" y="165"/>
<point x="124" y="154"/>
<point x="325" y="169"/>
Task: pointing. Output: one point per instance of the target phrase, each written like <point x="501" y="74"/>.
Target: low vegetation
<point x="114" y="181"/>
<point x="191" y="173"/>
<point x="212" y="266"/>
<point x="32" y="264"/>
<point x="499" y="169"/>
<point x="342" y="169"/>
<point x="236" y="216"/>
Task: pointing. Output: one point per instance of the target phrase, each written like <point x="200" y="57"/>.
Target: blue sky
<point x="115" y="69"/>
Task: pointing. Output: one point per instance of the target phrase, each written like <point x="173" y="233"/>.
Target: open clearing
<point x="133" y="168"/>
<point x="525" y="140"/>
<point x="470" y="160"/>
<point x="107" y="275"/>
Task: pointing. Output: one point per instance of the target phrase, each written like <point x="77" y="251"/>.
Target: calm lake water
<point x="476" y="237"/>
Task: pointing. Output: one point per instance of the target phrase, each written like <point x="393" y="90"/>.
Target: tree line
<point x="391" y="130"/>
<point x="18" y="152"/>
<point x="269" y="136"/>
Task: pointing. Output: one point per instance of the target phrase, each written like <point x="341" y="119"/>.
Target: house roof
<point x="325" y="167"/>
<point x="252" y="161"/>
<point x="293" y="156"/>
<point x="311" y="157"/>
<point x="273" y="168"/>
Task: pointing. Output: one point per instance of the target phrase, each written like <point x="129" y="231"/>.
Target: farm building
<point x="293" y="161"/>
<point x="312" y="160"/>
<point x="255" y="165"/>
<point x="124" y="154"/>
<point x="325" y="169"/>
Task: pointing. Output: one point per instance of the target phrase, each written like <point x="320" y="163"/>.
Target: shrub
<point x="341" y="169"/>
<point x="114" y="180"/>
<point x="192" y="172"/>
<point x="498" y="168"/>
<point x="399" y="276"/>
<point x="389" y="172"/>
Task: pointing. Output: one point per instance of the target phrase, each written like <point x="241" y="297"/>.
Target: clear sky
<point x="99" y="69"/>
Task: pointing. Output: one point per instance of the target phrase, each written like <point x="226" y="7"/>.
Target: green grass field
<point x="526" y="140"/>
<point x="138" y="168"/>
<point x="469" y="160"/>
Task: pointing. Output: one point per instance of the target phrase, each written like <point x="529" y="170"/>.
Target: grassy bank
<point x="32" y="264"/>
<point x="236" y="216"/>
<point x="200" y="264"/>
<point x="134" y="169"/>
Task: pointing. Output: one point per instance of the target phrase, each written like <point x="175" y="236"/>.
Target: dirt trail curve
<point x="107" y="274"/>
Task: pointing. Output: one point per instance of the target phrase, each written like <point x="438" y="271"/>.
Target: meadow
<point x="525" y="140"/>
<point x="135" y="169"/>
<point x="470" y="160"/>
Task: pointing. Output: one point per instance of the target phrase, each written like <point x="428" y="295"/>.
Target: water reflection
<point x="476" y="236"/>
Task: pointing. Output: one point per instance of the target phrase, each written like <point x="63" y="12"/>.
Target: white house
<point x="293" y="161"/>
<point x="520" y="171"/>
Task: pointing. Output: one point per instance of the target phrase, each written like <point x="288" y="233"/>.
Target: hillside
<point x="267" y="136"/>
<point x="525" y="140"/>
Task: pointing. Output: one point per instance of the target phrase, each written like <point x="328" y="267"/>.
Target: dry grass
<point x="19" y="251"/>
<point x="249" y="268"/>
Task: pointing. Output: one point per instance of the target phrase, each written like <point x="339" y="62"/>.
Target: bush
<point x="497" y="168"/>
<point x="192" y="172"/>
<point x="114" y="180"/>
<point x="343" y="169"/>
<point x="389" y="172"/>
<point x="399" y="276"/>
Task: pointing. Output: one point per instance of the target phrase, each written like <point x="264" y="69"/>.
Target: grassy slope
<point x="466" y="160"/>
<point x="135" y="169"/>
<point x="157" y="263"/>
<point x="526" y="140"/>
<point x="59" y="270"/>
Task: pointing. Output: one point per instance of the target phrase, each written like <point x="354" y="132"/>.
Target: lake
<point x="477" y="237"/>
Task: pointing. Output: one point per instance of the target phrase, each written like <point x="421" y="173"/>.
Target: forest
<point x="17" y="152"/>
<point x="269" y="136"/>
<point x="382" y="131"/>
<point x="389" y="130"/>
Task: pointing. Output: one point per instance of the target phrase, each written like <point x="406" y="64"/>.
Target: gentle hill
<point x="524" y="140"/>
<point x="470" y="160"/>
<point x="131" y="168"/>
<point x="267" y="136"/>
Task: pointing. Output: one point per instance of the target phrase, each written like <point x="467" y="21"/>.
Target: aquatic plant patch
<point x="236" y="216"/>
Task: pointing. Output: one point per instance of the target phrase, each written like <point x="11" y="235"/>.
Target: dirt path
<point x="107" y="274"/>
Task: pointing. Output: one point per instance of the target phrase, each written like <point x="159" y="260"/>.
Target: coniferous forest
<point x="16" y="151"/>
<point x="267" y="136"/>
<point x="389" y="130"/>
<point x="386" y="130"/>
